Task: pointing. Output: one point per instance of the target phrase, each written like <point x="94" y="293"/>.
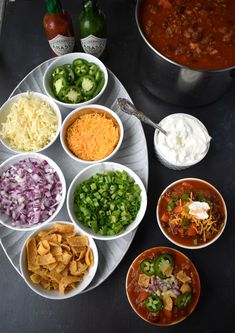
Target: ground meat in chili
<point x="195" y="33"/>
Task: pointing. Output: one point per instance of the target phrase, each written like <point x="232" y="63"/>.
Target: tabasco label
<point x="93" y="45"/>
<point x="62" y="44"/>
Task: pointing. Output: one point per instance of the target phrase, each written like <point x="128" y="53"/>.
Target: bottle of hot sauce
<point x="92" y="28"/>
<point x="59" y="29"/>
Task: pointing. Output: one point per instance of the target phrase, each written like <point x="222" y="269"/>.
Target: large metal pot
<point x="179" y="84"/>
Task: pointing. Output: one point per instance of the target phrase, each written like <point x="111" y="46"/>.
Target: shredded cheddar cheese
<point x="92" y="136"/>
<point x="201" y="226"/>
<point x="30" y="124"/>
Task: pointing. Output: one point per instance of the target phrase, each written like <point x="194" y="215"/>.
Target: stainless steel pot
<point x="178" y="84"/>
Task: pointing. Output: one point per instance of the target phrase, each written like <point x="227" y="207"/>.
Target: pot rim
<point x="169" y="60"/>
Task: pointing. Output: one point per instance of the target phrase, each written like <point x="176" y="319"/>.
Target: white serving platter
<point x="133" y="153"/>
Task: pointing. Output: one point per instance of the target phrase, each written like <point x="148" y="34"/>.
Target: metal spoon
<point x="127" y="107"/>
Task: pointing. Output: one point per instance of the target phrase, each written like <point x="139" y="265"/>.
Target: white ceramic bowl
<point x="197" y="147"/>
<point x="4" y="111"/>
<point x="87" y="109"/>
<point x="5" y="219"/>
<point x="199" y="246"/>
<point x="101" y="168"/>
<point x="134" y="292"/>
<point x="68" y="59"/>
<point x="55" y="294"/>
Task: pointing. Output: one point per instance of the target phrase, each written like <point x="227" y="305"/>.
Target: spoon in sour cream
<point x="129" y="108"/>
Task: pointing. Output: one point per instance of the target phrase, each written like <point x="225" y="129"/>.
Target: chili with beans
<point x="196" y="33"/>
<point x="180" y="223"/>
<point x="167" y="295"/>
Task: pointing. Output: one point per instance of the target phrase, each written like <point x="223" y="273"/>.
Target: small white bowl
<point x="7" y="220"/>
<point x="89" y="109"/>
<point x="190" y="122"/>
<point x="184" y="245"/>
<point x="68" y="59"/>
<point x="101" y="168"/>
<point x="55" y="294"/>
<point x="4" y="111"/>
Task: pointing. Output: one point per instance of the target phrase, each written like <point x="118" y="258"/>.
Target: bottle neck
<point x="54" y="6"/>
<point x="89" y="4"/>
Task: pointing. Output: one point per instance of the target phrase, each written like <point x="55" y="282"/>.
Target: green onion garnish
<point x="170" y="206"/>
<point x="184" y="197"/>
<point x="107" y="203"/>
<point x="185" y="223"/>
<point x="195" y="241"/>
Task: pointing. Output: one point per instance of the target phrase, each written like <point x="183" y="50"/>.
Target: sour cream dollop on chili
<point x="187" y="141"/>
<point x="199" y="209"/>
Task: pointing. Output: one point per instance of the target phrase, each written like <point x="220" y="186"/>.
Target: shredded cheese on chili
<point x="92" y="136"/>
<point x="201" y="226"/>
<point x="30" y="125"/>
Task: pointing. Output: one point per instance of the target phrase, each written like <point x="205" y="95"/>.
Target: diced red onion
<point x="30" y="191"/>
<point x="176" y="291"/>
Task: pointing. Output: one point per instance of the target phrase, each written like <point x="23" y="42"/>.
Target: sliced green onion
<point x="175" y="198"/>
<point x="107" y="203"/>
<point x="185" y="223"/>
<point x="170" y="206"/>
<point x="184" y="197"/>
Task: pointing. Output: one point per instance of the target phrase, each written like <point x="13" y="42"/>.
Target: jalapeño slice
<point x="153" y="303"/>
<point x="163" y="265"/>
<point x="184" y="300"/>
<point x="147" y="267"/>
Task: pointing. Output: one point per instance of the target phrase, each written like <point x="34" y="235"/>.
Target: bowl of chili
<point x="189" y="48"/>
<point x="191" y="213"/>
<point x="162" y="286"/>
<point x="75" y="79"/>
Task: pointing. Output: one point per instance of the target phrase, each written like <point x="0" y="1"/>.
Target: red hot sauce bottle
<point x="59" y="28"/>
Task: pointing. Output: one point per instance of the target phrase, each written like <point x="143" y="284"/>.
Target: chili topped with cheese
<point x="196" y="33"/>
<point x="163" y="286"/>
<point x="191" y="212"/>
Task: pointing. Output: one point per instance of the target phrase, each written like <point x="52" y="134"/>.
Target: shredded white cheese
<point x="31" y="124"/>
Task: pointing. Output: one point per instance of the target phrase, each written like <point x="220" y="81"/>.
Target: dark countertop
<point x="23" y="46"/>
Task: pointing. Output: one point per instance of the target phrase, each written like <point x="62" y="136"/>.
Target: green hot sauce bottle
<point x="92" y="28"/>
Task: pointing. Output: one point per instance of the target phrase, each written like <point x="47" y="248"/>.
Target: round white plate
<point x="133" y="153"/>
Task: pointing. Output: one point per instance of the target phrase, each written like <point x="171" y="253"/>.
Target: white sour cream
<point x="187" y="141"/>
<point x="199" y="209"/>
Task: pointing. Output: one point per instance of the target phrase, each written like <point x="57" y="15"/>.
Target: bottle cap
<point x="89" y="3"/>
<point x="54" y="6"/>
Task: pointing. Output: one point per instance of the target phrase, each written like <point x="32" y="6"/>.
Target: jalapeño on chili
<point x="163" y="260"/>
<point x="153" y="303"/>
<point x="184" y="300"/>
<point x="147" y="267"/>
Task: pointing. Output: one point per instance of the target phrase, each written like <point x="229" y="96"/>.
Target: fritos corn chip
<point x="58" y="258"/>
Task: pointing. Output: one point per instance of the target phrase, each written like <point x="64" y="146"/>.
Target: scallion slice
<point x="107" y="203"/>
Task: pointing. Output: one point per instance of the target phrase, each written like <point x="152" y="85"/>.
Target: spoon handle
<point x="127" y="107"/>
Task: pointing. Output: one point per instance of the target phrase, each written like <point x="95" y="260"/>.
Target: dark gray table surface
<point x="23" y="46"/>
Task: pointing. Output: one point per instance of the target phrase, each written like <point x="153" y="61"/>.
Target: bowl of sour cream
<point x="186" y="143"/>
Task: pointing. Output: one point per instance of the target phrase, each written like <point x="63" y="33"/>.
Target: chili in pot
<point x="195" y="33"/>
